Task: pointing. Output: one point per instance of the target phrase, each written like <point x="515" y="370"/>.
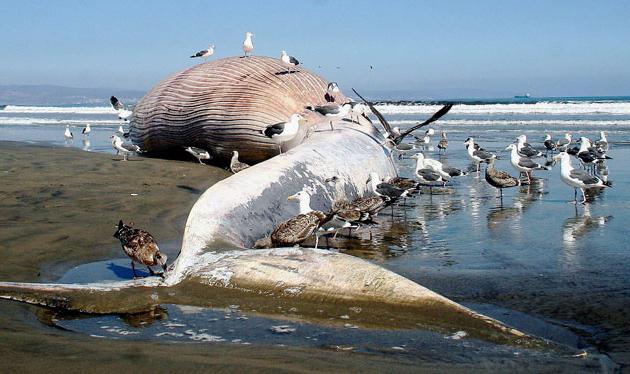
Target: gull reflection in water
<point x="86" y="144"/>
<point x="523" y="200"/>
<point x="577" y="227"/>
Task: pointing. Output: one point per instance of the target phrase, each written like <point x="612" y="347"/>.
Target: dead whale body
<point x="245" y="207"/>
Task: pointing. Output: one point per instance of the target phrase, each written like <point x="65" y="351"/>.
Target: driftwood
<point x="223" y="105"/>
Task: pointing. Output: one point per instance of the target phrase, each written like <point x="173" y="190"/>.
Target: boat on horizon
<point x="525" y="96"/>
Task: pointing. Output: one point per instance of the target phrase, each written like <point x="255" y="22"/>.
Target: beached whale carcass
<point x="215" y="263"/>
<point x="222" y="106"/>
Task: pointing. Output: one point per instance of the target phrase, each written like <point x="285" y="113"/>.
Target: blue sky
<point x="422" y="48"/>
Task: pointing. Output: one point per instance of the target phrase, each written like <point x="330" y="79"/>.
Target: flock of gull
<point x="385" y="192"/>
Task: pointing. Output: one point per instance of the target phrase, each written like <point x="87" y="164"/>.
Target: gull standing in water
<point x="86" y="130"/>
<point x="283" y="131"/>
<point x="288" y="61"/>
<point x="525" y="149"/>
<point x="140" y="246"/>
<point x="523" y="164"/>
<point x="563" y="143"/>
<point x="577" y="178"/>
<point x="67" y="134"/>
<point x="477" y="155"/>
<point x="549" y="144"/>
<point x="500" y="179"/>
<point x="248" y="45"/>
<point x="443" y="143"/>
<point x="205" y="53"/>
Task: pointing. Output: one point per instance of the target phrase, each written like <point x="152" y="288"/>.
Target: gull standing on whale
<point x="248" y="45"/>
<point x="205" y="53"/>
<point x="288" y="61"/>
<point x="283" y="131"/>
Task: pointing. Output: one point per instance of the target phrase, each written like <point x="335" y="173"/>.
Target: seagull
<point x="123" y="113"/>
<point x="235" y="165"/>
<point x="443" y="143"/>
<point x="588" y="155"/>
<point x="288" y="61"/>
<point x="335" y="222"/>
<point x="477" y="155"/>
<point x="331" y="90"/>
<point x="446" y="172"/>
<point x="248" y="46"/>
<point x="426" y="139"/>
<point x="205" y="53"/>
<point x="563" y="143"/>
<point x="428" y="176"/>
<point x="523" y="164"/>
<point x="299" y="228"/>
<point x="525" y="149"/>
<point x="125" y="148"/>
<point x="283" y="131"/>
<point x="332" y="111"/>
<point x="140" y="246"/>
<point x="602" y="143"/>
<point x="86" y="130"/>
<point x="386" y="190"/>
<point x="577" y="178"/>
<point x="500" y="179"/>
<point x="550" y="145"/>
<point x="67" y="134"/>
<point x="357" y="110"/>
<point x="198" y="153"/>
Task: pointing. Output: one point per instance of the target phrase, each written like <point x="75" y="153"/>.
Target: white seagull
<point x="125" y="148"/>
<point x="283" y="131"/>
<point x="123" y="113"/>
<point x="563" y="143"/>
<point x="205" y="53"/>
<point x="67" y="134"/>
<point x="523" y="164"/>
<point x="525" y="149"/>
<point x="288" y="61"/>
<point x="248" y="45"/>
<point x="577" y="178"/>
<point x="86" y="130"/>
<point x="198" y="153"/>
<point x="477" y="155"/>
<point x="332" y="111"/>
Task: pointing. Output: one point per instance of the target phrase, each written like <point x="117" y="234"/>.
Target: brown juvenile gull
<point x="140" y="246"/>
<point x="500" y="179"/>
<point x="235" y="165"/>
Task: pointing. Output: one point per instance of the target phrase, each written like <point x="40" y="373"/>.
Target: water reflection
<point x="579" y="226"/>
<point x="524" y="199"/>
<point x="86" y="144"/>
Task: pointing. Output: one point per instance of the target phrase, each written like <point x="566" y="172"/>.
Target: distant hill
<point x="59" y="95"/>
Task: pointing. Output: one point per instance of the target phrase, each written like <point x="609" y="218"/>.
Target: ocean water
<point x="551" y="268"/>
